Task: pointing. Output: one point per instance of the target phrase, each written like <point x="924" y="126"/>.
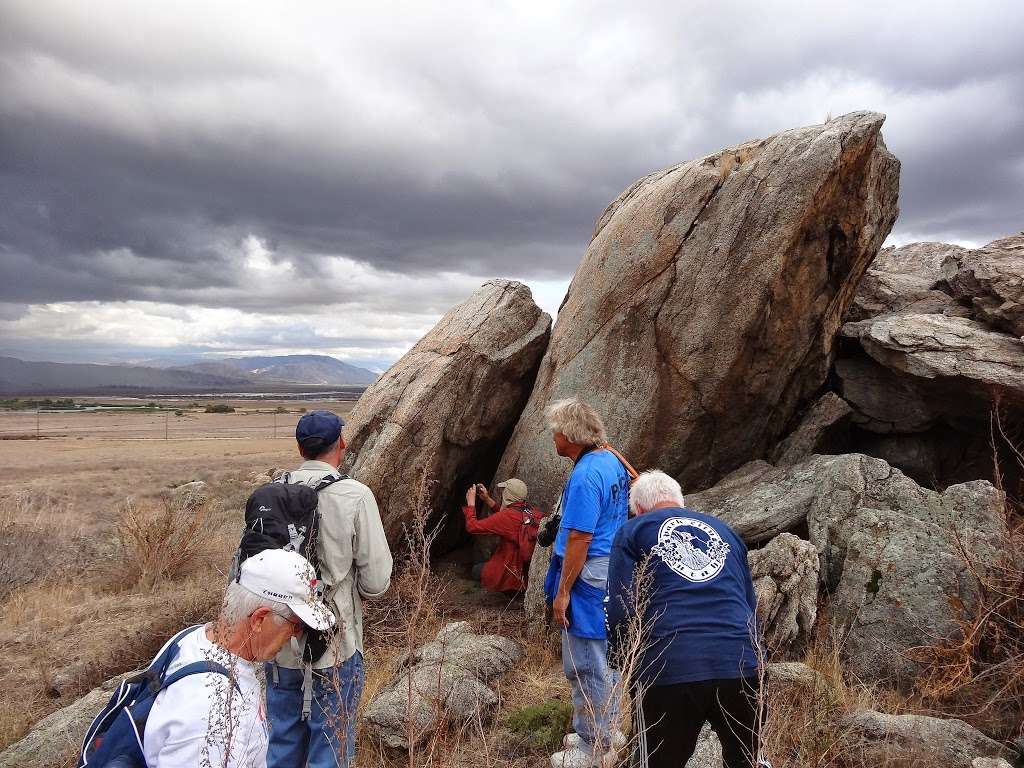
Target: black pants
<point x="671" y="717"/>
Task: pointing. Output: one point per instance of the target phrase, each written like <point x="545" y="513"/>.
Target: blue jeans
<point x="328" y="738"/>
<point x="595" y="690"/>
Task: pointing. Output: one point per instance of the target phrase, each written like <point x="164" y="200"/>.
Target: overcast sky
<point x="214" y="177"/>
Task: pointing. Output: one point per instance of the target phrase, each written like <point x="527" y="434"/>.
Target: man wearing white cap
<point x="218" y="720"/>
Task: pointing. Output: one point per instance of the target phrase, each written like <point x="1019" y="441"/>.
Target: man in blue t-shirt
<point x="688" y="574"/>
<point x="594" y="505"/>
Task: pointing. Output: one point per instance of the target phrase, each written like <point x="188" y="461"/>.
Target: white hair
<point x="240" y="604"/>
<point x="579" y="422"/>
<point x="652" y="488"/>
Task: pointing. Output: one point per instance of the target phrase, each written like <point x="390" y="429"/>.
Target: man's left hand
<point x="560" y="608"/>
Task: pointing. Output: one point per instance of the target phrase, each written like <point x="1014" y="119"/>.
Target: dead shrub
<point x="160" y="541"/>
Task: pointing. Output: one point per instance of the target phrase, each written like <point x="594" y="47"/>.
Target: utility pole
<point x="275" y="423"/>
<point x="37" y="422"/>
<point x="167" y="418"/>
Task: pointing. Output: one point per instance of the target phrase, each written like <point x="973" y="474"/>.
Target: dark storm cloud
<point x="143" y="147"/>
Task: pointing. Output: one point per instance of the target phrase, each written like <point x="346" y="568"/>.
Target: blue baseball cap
<point x="321" y="425"/>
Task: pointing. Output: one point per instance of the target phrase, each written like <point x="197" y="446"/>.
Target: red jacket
<point x="505" y="570"/>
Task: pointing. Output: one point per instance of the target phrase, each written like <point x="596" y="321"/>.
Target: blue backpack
<point x="115" y="737"/>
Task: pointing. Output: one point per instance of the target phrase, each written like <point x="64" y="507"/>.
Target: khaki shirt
<point x="355" y="560"/>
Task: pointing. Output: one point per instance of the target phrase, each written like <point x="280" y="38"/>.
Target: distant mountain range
<point x="287" y="372"/>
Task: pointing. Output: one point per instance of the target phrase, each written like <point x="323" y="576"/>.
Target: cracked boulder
<point x="439" y="417"/>
<point x="703" y="313"/>
<point x="893" y="554"/>
<point x="785" y="574"/>
<point x="444" y="682"/>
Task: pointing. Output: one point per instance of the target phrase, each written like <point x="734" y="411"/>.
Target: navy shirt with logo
<point x="700" y="603"/>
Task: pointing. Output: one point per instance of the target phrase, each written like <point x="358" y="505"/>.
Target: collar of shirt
<point x="317" y="466"/>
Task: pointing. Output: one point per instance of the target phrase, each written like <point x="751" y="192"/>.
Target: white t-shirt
<point x="193" y="722"/>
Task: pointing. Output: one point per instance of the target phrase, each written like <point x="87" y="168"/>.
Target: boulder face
<point x="704" y="310"/>
<point x="442" y="413"/>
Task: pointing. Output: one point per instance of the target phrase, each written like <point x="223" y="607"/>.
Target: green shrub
<point x="179" y="413"/>
<point x="543" y="725"/>
<point x="219" y="408"/>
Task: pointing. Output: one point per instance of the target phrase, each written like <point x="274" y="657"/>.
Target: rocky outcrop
<point x="703" y="313"/>
<point x="916" y="740"/>
<point x="892" y="553"/>
<point x="442" y="413"/>
<point x="55" y="739"/>
<point x="961" y="352"/>
<point x="819" y="428"/>
<point x="443" y="683"/>
<point x="991" y="281"/>
<point x="785" y="574"/>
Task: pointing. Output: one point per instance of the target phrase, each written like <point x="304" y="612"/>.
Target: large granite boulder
<point x="785" y="574"/>
<point x="891" y="552"/>
<point x="443" y="683"/>
<point x="703" y="313"/>
<point x="991" y="280"/>
<point x="910" y="741"/>
<point x="442" y="413"/>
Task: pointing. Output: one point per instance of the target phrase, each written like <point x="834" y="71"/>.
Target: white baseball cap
<point x="287" y="577"/>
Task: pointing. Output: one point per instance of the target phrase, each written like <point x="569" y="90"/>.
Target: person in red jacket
<point x="516" y="522"/>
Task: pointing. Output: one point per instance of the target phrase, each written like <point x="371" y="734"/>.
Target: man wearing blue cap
<point x="312" y="707"/>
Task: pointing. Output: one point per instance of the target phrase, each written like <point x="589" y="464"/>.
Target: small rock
<point x="989" y="762"/>
<point x="449" y="674"/>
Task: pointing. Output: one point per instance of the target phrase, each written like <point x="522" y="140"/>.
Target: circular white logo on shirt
<point x="691" y="548"/>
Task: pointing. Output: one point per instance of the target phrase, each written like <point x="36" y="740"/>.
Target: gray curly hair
<point x="579" y="422"/>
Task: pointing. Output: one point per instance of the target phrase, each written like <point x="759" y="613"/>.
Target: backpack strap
<point x="329" y="480"/>
<point x="633" y="474"/>
<point x="197" y="668"/>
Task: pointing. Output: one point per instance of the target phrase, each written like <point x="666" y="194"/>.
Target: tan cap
<point x="515" y="490"/>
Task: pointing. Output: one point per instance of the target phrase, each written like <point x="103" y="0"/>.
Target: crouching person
<point x="687" y="572"/>
<point x="199" y="702"/>
<point x="516" y="522"/>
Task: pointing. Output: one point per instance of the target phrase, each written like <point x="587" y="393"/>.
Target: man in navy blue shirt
<point x="688" y="574"/>
<point x="594" y="505"/>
